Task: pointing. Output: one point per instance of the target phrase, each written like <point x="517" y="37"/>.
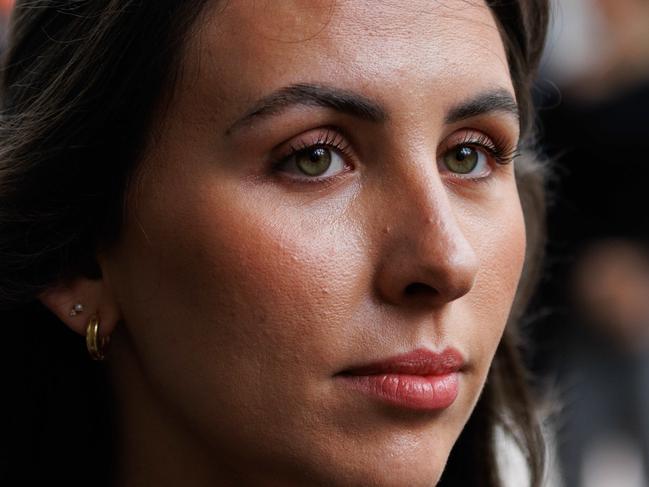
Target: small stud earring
<point x="76" y="309"/>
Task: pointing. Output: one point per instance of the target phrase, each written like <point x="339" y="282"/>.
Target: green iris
<point x="314" y="162"/>
<point x="462" y="160"/>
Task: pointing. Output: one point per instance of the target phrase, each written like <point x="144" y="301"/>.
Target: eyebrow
<point x="338" y="99"/>
<point x="364" y="108"/>
<point x="497" y="100"/>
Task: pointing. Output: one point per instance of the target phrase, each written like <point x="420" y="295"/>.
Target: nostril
<point x="419" y="289"/>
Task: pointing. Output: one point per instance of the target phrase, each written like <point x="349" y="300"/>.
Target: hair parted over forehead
<point x="80" y="84"/>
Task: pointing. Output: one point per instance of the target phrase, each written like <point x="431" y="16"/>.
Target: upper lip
<point x="418" y="362"/>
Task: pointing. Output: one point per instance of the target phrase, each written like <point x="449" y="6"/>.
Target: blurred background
<point x="589" y="325"/>
<point x="588" y="328"/>
<point x="5" y="10"/>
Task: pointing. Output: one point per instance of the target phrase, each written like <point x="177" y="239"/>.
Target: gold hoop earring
<point x="96" y="344"/>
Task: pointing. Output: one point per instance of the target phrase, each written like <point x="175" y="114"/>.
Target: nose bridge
<point x="428" y="255"/>
<point x="434" y="229"/>
<point x="440" y="238"/>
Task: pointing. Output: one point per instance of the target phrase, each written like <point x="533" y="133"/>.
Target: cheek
<point x="500" y="243"/>
<point x="237" y="286"/>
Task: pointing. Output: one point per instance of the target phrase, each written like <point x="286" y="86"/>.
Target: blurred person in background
<point x="607" y="396"/>
<point x="595" y="127"/>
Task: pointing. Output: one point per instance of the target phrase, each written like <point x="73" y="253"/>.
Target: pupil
<point x="317" y="154"/>
<point x="463" y="153"/>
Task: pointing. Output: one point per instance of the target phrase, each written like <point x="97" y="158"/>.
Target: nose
<point x="427" y="260"/>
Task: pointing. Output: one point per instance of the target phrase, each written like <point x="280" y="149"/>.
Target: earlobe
<point x="76" y="302"/>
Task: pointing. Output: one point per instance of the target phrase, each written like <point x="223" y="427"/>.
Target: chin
<point x="405" y="463"/>
<point x="393" y="472"/>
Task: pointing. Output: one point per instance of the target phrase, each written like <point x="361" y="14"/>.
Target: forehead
<point x="420" y="48"/>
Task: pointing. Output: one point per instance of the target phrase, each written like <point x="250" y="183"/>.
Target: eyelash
<point x="328" y="138"/>
<point x="500" y="150"/>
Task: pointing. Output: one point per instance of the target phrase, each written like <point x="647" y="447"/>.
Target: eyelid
<point x="500" y="149"/>
<point x="325" y="136"/>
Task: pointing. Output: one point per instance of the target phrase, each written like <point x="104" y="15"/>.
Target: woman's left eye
<point x="466" y="161"/>
<point x="315" y="162"/>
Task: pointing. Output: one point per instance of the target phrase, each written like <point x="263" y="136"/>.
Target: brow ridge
<point x="360" y="106"/>
<point x="307" y="94"/>
<point x="498" y="99"/>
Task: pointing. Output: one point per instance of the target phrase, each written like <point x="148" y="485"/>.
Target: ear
<point x="95" y="298"/>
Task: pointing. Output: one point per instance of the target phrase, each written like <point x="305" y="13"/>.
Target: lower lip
<point x="417" y="392"/>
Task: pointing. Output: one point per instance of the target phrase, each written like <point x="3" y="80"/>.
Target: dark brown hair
<point x="80" y="84"/>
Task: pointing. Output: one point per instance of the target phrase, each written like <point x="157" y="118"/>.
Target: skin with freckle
<point x="245" y="289"/>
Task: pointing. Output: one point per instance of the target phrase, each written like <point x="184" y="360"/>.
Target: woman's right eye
<point x="312" y="164"/>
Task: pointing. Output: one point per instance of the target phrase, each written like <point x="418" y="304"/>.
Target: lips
<point x="419" y="380"/>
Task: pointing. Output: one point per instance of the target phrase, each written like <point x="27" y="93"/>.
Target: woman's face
<point x="328" y="191"/>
